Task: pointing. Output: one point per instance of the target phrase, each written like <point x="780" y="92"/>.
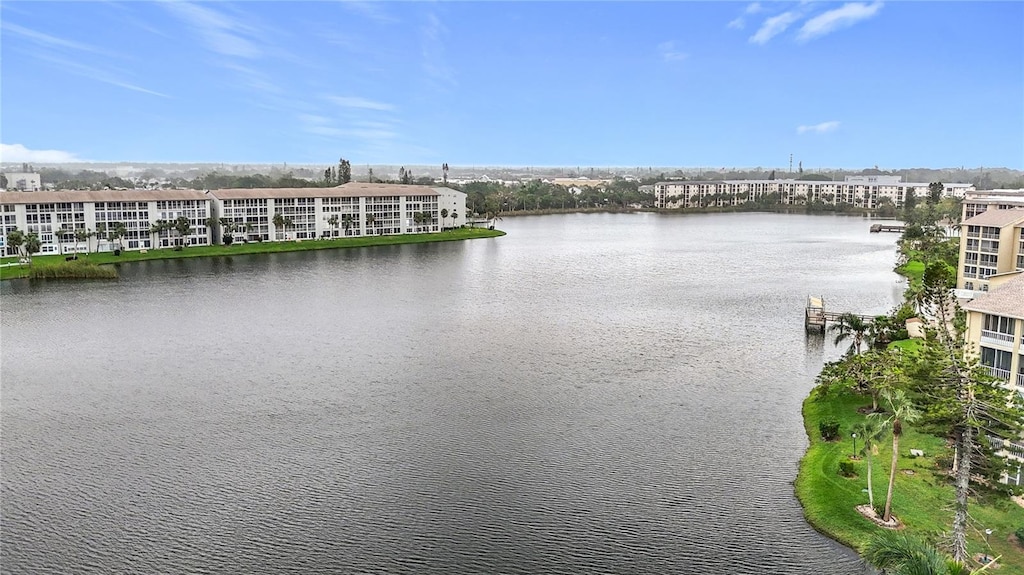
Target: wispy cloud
<point x="669" y="53"/>
<point x="774" y="26"/>
<point x="373" y="10"/>
<point x="740" y="21"/>
<point x="435" y="65"/>
<point x="821" y="128"/>
<point x="843" y="17"/>
<point x="220" y="32"/>
<point x="100" y="75"/>
<point x="361" y="103"/>
<point x="49" y="41"/>
<point x="19" y="153"/>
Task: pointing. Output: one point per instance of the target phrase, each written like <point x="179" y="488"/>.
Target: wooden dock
<point x="816" y="318"/>
<point x="875" y="228"/>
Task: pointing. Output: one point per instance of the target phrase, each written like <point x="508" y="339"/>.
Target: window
<point x="997" y="360"/>
<point x="1000" y="324"/>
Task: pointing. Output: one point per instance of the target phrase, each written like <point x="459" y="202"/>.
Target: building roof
<point x="349" y="190"/>
<point x="996" y="218"/>
<point x="949" y="186"/>
<point x="1006" y="300"/>
<point x="72" y="196"/>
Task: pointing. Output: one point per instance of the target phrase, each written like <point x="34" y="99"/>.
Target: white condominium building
<point x="132" y="211"/>
<point x="860" y="191"/>
<point x="352" y="209"/>
<point x="991" y="244"/>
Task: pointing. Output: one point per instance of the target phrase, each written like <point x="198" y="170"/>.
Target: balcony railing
<point x="1020" y="381"/>
<point x="1003" y="374"/>
<point x="995" y="336"/>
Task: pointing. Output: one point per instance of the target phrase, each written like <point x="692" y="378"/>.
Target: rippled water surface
<point x="590" y="393"/>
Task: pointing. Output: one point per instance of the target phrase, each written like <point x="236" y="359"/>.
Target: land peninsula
<point x="888" y="422"/>
<point x="103" y="264"/>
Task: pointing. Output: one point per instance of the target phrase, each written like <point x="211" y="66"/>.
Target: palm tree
<point x="898" y="553"/>
<point x="82" y="235"/>
<point x="455" y="218"/>
<point x="870" y="431"/>
<point x="32" y="246"/>
<point x="853" y="327"/>
<point x="901" y="410"/>
<point x="155" y="229"/>
<point x="370" y="220"/>
<point x="184" y="227"/>
<point x="333" y="222"/>
<point x="444" y="214"/>
<point x="346" y="222"/>
<point x="417" y="218"/>
<point x="58" y="235"/>
<point x="279" y="223"/>
<point x="100" y="233"/>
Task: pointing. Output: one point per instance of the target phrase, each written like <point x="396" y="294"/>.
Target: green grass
<point x="922" y="501"/>
<point x="907" y="345"/>
<point x="250" y="248"/>
<point x="78" y="269"/>
<point x="912" y="270"/>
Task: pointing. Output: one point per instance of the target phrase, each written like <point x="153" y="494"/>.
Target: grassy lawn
<point x="907" y="345"/>
<point x="11" y="272"/>
<point x="913" y="270"/>
<point x="922" y="501"/>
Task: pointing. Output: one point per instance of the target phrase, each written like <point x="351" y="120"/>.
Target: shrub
<point x="829" y="429"/>
<point x="846" y="468"/>
<point x="1020" y="535"/>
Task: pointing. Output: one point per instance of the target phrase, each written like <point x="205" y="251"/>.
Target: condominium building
<point x="995" y="328"/>
<point x="352" y="209"/>
<point x="133" y="211"/>
<point x="976" y="202"/>
<point x="860" y="191"/>
<point x="991" y="243"/>
<point x="23" y="181"/>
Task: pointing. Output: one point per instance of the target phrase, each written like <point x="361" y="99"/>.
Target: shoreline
<point x="778" y="209"/>
<point x="91" y="261"/>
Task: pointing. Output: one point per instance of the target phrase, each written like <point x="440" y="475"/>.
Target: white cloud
<point x="221" y="33"/>
<point x="669" y="53"/>
<point x="48" y="40"/>
<point x="19" y="153"/>
<point x="774" y="26"/>
<point x="435" y="64"/>
<point x="736" y="24"/>
<point x="821" y="128"/>
<point x="843" y="17"/>
<point x="372" y="10"/>
<point x="739" y="23"/>
<point x="97" y="74"/>
<point x="362" y="103"/>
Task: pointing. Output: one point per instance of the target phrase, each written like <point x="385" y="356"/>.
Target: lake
<point x="613" y="393"/>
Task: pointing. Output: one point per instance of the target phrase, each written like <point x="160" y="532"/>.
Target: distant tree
<point x="444" y="172"/>
<point x="183" y="226"/>
<point x="909" y="200"/>
<point x="3" y="182"/>
<point x="82" y="235"/>
<point x="369" y="175"/>
<point x="32" y="245"/>
<point x="344" y="171"/>
<point x="800" y="166"/>
<point x="444" y="214"/>
<point x="16" y="240"/>
<point x="853" y="327"/>
<point x="772" y="175"/>
<point x="370" y="221"/>
<point x="347" y="220"/>
<point x="155" y="229"/>
<point x="58" y="236"/>
<point x="455" y="218"/>
<point x="333" y="222"/>
<point x="278" y="222"/>
<point x="935" y="190"/>
<point x="328" y="178"/>
<point x="401" y="175"/>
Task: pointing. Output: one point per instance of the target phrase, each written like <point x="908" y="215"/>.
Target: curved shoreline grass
<point x="103" y="259"/>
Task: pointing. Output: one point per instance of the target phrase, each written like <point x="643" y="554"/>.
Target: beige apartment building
<point x="991" y="243"/>
<point x="995" y="328"/>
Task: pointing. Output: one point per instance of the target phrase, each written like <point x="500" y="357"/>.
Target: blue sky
<point x="839" y="85"/>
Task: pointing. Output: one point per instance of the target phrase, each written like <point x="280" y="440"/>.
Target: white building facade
<point x="859" y="191"/>
<point x="103" y="212"/>
<point x="350" y="210"/>
<point x="23" y="181"/>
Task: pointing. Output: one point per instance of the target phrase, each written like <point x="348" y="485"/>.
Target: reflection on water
<point x="615" y="393"/>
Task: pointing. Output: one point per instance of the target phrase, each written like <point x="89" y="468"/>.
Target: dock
<point x="816" y="317"/>
<point x="875" y="228"/>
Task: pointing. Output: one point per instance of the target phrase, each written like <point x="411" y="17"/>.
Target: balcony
<point x="1003" y="374"/>
<point x="997" y="338"/>
<point x="1020" y="382"/>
